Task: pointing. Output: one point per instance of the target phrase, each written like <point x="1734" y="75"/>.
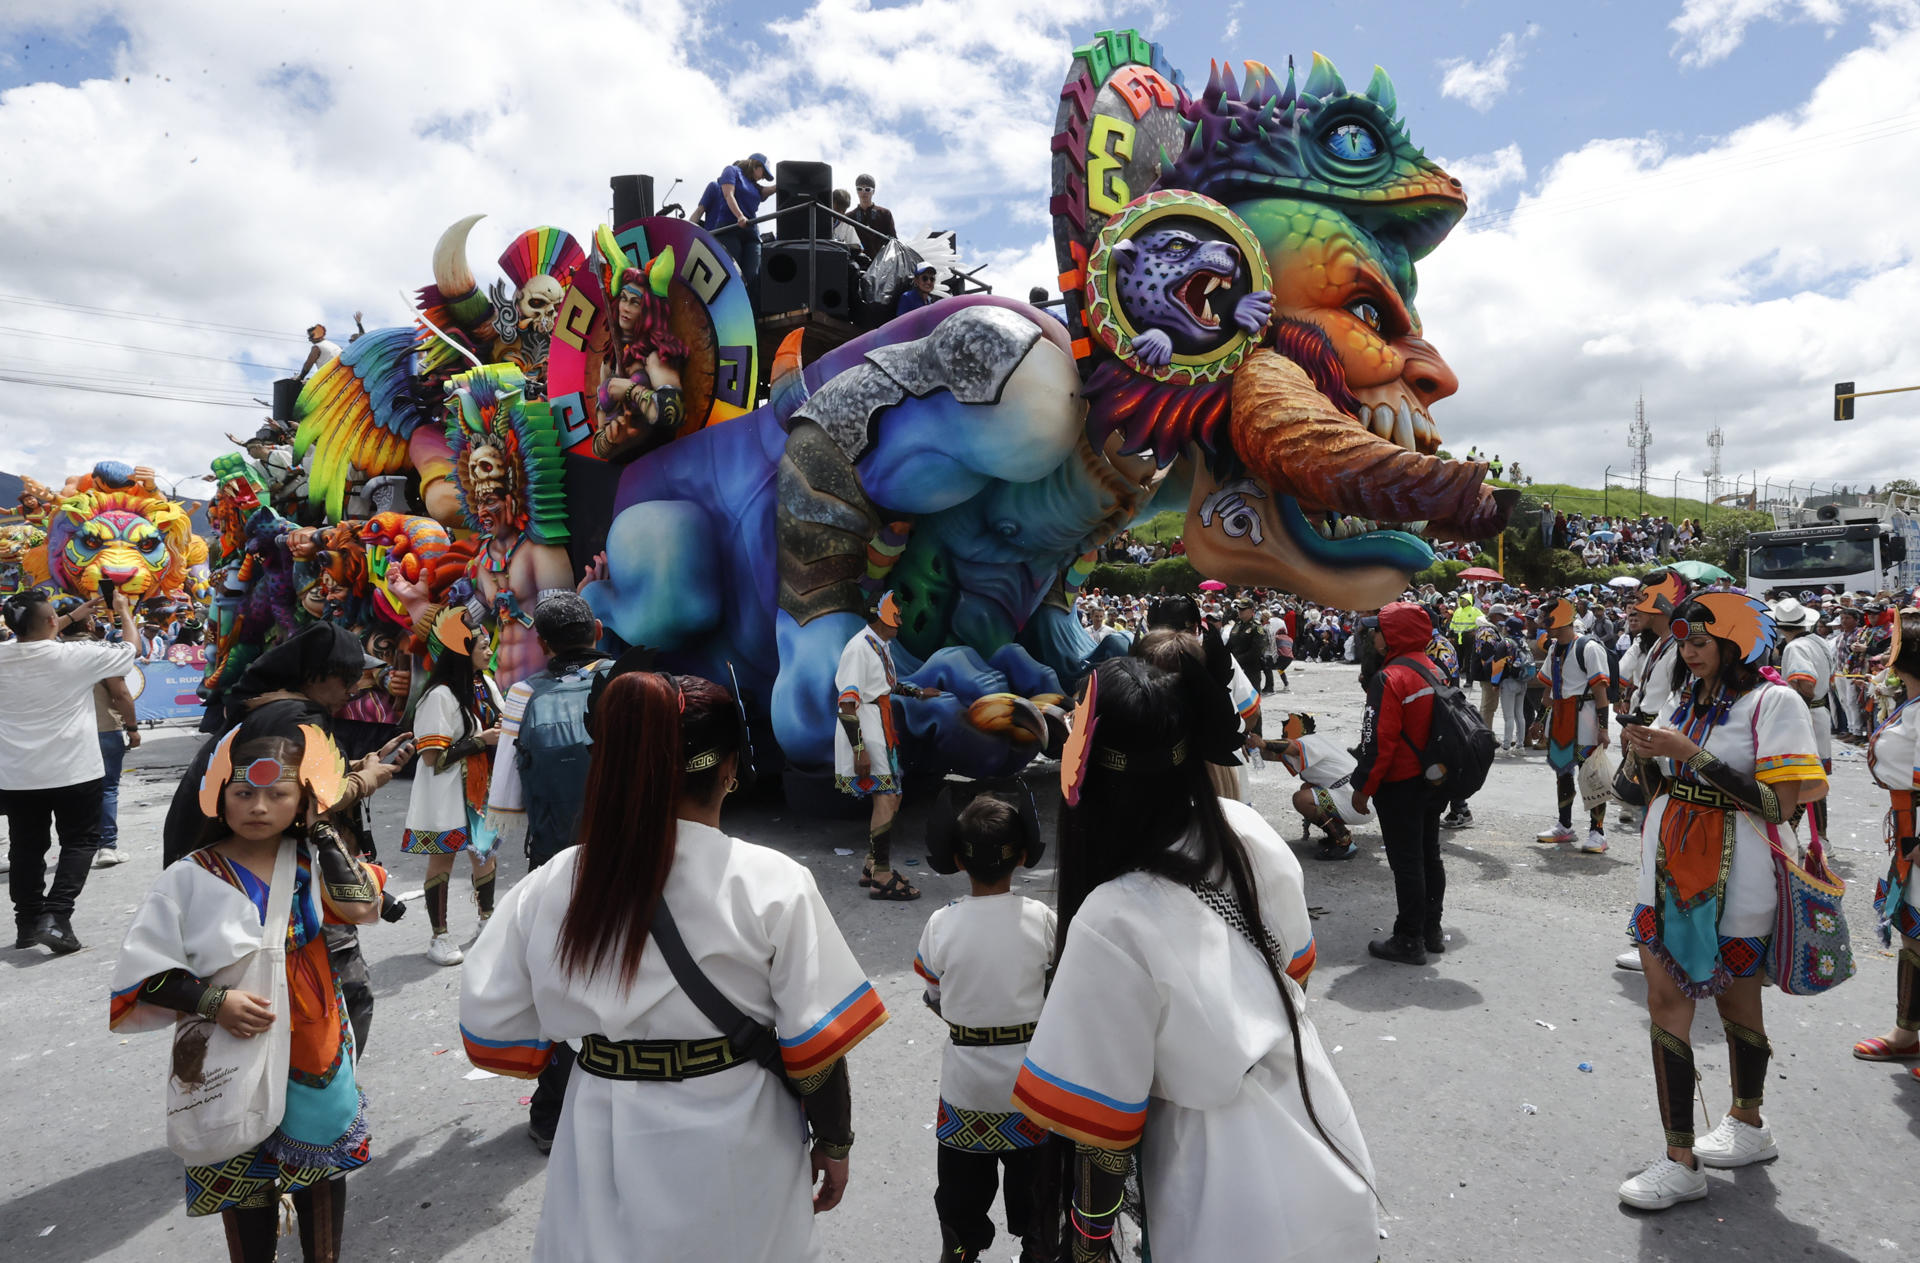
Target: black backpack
<point x="1459" y="743"/>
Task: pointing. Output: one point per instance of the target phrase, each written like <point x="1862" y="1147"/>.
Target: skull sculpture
<point x="539" y="302"/>
<point x="486" y="473"/>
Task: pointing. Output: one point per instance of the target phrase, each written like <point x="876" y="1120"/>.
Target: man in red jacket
<point x="1398" y="721"/>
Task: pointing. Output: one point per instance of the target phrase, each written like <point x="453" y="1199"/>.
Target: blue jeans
<point x="113" y="753"/>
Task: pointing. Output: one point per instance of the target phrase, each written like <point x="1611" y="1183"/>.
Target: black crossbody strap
<point x="750" y="1040"/>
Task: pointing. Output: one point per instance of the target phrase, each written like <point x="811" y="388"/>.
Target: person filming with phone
<point x="51" y="773"/>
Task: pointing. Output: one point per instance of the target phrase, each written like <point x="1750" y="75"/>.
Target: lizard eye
<point x="1367" y="310"/>
<point x="1352" y="142"/>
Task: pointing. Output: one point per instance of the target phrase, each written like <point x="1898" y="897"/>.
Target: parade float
<point x="1240" y="343"/>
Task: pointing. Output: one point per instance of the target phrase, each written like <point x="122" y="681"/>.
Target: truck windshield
<point x="1812" y="559"/>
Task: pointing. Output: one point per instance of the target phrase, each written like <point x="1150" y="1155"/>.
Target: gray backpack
<point x="553" y="752"/>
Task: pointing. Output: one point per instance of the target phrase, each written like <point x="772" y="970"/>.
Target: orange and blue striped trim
<point x="432" y="741"/>
<point x="122" y="1003"/>
<point x="1301" y="966"/>
<point x="1777" y="768"/>
<point x="1078" y="1113"/>
<point x="833" y="1036"/>
<point x="920" y="967"/>
<point x="850" y="695"/>
<point x="515" y="1058"/>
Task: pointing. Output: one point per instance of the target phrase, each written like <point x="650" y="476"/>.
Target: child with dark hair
<point x="985" y="959"/>
<point x="264" y="800"/>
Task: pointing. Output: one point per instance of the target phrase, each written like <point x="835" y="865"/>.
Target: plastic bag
<point x="887" y="276"/>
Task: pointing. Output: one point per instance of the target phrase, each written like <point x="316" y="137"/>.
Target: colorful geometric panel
<point x="985" y="1131"/>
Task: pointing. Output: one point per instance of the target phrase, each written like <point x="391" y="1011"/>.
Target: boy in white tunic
<point x="985" y="961"/>
<point x="1325" y="796"/>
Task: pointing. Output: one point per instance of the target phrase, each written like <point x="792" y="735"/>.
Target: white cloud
<point x="1481" y="83"/>
<point x="263" y="170"/>
<point x="1710" y="30"/>
<point x="1482" y="174"/>
<point x="1728" y="284"/>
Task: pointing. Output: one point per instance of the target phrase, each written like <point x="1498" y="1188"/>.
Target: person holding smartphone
<point x="52" y="775"/>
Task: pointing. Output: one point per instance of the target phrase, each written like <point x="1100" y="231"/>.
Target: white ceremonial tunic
<point x="713" y="1167"/>
<point x="1893" y="760"/>
<point x="984" y="959"/>
<point x="1809" y="659"/>
<point x="1651" y="677"/>
<point x="1773" y="746"/>
<point x="1324" y="764"/>
<point x="440" y="819"/>
<point x="1163" y="1026"/>
<point x="865" y="676"/>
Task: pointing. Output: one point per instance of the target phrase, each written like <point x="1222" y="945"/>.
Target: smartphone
<point x="401" y="753"/>
<point x="106" y="592"/>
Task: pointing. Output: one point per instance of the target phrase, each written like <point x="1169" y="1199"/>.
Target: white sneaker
<point x="444" y="951"/>
<point x="107" y="857"/>
<point x="1663" y="1184"/>
<point x="1629" y="960"/>
<point x="1736" y="1144"/>
<point x="1596" y="843"/>
<point x="1559" y="833"/>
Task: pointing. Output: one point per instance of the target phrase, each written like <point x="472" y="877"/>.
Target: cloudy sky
<point x="1706" y="201"/>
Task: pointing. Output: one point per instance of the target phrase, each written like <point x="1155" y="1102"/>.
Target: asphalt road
<point x="1442" y="1062"/>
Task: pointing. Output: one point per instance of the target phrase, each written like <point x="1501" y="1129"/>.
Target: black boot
<point x="1400" y="949"/>
<point x="1436" y="943"/>
<point x="56" y="935"/>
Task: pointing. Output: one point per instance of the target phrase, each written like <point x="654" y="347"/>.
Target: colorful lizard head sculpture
<point x="1242" y="264"/>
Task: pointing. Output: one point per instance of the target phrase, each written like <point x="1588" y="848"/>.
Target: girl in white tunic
<point x="205" y="915"/>
<point x="1174" y="1035"/>
<point x="675" y="1142"/>
<point x="456" y="727"/>
<point x="1893" y="759"/>
<point x="1742" y="757"/>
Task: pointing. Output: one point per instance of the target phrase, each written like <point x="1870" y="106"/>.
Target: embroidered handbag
<point x="1810" y="951"/>
<point x="226" y="1094"/>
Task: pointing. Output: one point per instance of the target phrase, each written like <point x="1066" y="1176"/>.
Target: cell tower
<point x="1715" y="441"/>
<point x="1639" y="438"/>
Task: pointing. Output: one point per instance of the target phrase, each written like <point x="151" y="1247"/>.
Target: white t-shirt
<point x="48" y="736"/>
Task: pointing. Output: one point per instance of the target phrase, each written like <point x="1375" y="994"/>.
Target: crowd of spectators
<point x="1618" y="539"/>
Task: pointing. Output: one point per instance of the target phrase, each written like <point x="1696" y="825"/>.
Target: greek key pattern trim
<point x="656" y="1060"/>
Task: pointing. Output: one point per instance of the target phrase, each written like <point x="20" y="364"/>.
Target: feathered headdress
<point x="1742" y="621"/>
<point x="1556" y="613"/>
<point x="544" y="251"/>
<point x="488" y="411"/>
<point x="321" y="770"/>
<point x="1662" y="592"/>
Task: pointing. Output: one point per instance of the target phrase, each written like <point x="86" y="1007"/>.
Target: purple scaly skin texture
<point x="1166" y="281"/>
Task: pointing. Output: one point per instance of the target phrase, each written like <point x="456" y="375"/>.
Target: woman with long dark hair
<point x="1740" y="757"/>
<point x="1893" y="759"/>
<point x="456" y="726"/>
<point x="1174" y="1035"/>
<point x="675" y="1135"/>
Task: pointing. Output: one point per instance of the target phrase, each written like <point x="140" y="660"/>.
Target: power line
<point x="181" y="322"/>
<point x="135" y="394"/>
<point x="61" y="372"/>
<point x="144" y="350"/>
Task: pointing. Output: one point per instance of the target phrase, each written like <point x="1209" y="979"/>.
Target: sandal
<point x="1331" y="850"/>
<point x="1874" y="1048"/>
<point x="895" y="889"/>
<point x="866" y="874"/>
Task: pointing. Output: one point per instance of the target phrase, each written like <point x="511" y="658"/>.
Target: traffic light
<point x="1843" y="401"/>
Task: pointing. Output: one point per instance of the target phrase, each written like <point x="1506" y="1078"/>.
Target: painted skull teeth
<point x="1328" y="525"/>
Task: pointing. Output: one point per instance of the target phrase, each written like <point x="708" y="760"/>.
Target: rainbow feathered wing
<point x="357" y="412"/>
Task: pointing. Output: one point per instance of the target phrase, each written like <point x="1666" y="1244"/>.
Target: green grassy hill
<point x="1618" y="500"/>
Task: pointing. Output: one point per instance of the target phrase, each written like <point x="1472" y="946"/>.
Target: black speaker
<point x="632" y="198"/>
<point x="286" y="392"/>
<point x="817" y="275"/>
<point x="797" y="186"/>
